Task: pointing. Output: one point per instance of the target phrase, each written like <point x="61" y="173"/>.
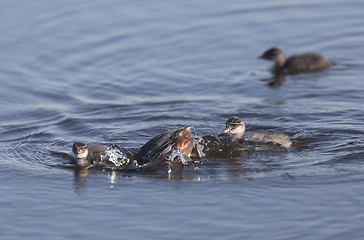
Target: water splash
<point x="198" y="143"/>
<point x="177" y="156"/>
<point x="115" y="155"/>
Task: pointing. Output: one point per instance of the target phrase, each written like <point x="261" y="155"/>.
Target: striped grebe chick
<point x="236" y="127"/>
<point x="86" y="155"/>
<point x="299" y="63"/>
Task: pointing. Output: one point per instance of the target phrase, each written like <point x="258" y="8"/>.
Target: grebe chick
<point x="170" y="145"/>
<point x="236" y="127"/>
<point x="86" y="155"/>
<point x="306" y="62"/>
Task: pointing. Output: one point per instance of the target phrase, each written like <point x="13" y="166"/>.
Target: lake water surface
<point x="124" y="71"/>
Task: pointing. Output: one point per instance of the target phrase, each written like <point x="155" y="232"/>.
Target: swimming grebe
<point x="170" y="145"/>
<point x="86" y="155"/>
<point x="236" y="127"/>
<point x="306" y="62"/>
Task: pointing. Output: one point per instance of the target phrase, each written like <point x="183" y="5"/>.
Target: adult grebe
<point x="171" y="145"/>
<point x="300" y="63"/>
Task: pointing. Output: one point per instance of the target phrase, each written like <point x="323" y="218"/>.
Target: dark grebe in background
<point x="300" y="63"/>
<point x="86" y="155"/>
<point x="236" y="127"/>
<point x="171" y="145"/>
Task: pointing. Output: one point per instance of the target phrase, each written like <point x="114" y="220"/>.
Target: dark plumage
<point x="306" y="62"/>
<point x="161" y="146"/>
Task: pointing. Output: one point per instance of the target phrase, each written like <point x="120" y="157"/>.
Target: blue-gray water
<point x="123" y="71"/>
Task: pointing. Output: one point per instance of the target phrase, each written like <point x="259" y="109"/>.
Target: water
<point x="121" y="72"/>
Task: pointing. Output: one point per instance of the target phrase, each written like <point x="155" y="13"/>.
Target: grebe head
<point x="271" y="54"/>
<point x="276" y="55"/>
<point x="80" y="152"/>
<point x="236" y="127"/>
